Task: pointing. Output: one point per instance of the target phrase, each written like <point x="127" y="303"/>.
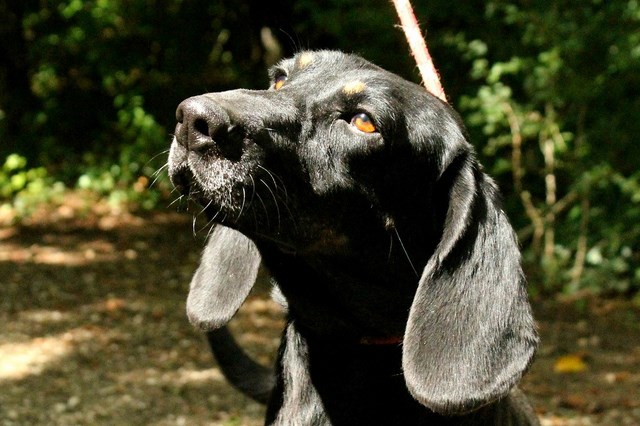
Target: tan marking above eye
<point x="305" y="59"/>
<point x="279" y="82"/>
<point x="363" y="123"/>
<point x="353" y="88"/>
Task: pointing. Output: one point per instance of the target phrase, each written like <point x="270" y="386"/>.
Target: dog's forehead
<point x="325" y="59"/>
<point x="326" y="65"/>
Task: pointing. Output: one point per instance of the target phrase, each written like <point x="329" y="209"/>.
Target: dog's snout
<point x="202" y="123"/>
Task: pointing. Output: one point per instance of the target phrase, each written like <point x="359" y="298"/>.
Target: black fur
<point x="370" y="236"/>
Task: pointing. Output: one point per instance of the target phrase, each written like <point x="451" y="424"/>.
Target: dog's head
<point x="335" y="141"/>
<point x="364" y="179"/>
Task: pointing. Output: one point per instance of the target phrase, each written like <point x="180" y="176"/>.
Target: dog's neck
<point x="340" y="299"/>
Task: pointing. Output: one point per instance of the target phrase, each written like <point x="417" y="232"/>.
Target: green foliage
<point x="99" y="82"/>
<point x="558" y="100"/>
<point x="23" y="188"/>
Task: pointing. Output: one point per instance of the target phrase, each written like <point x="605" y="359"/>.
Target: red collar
<point x="389" y="340"/>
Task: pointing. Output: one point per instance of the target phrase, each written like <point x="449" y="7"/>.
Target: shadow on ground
<point x="94" y="332"/>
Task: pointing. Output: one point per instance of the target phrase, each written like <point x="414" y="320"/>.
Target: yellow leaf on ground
<point x="570" y="364"/>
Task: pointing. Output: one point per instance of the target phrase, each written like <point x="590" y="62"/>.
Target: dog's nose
<point x="201" y="123"/>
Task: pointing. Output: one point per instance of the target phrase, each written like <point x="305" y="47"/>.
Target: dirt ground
<point x="93" y="332"/>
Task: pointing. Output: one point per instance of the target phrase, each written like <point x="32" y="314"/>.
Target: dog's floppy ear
<point x="470" y="334"/>
<point x="226" y="274"/>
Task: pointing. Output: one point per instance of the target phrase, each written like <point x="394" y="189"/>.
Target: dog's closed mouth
<point x="182" y="180"/>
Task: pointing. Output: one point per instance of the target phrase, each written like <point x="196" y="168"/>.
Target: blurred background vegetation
<point x="550" y="92"/>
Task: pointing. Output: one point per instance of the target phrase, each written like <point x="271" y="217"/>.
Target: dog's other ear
<point x="226" y="274"/>
<point x="470" y="334"/>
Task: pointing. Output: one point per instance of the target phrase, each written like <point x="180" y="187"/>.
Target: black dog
<point x="361" y="195"/>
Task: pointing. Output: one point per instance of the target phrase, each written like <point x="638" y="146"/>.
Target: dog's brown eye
<point x="279" y="82"/>
<point x="363" y="123"/>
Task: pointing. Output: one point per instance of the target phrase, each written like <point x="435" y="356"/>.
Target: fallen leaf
<point x="570" y="364"/>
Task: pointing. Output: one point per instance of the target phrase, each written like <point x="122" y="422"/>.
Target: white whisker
<point x="193" y="225"/>
<point x="405" y="252"/>
<point x="210" y="230"/>
<point x="244" y="198"/>
<point x="275" y="184"/>
<point x="205" y="207"/>
<point x="166" y="151"/>
<point x="179" y="199"/>
<point x="253" y="189"/>
<point x="208" y="224"/>
<point x="160" y="170"/>
<point x="264" y="207"/>
<point x="156" y="175"/>
<point x="275" y="200"/>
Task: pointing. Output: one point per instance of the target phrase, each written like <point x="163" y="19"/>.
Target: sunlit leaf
<point x="570" y="364"/>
